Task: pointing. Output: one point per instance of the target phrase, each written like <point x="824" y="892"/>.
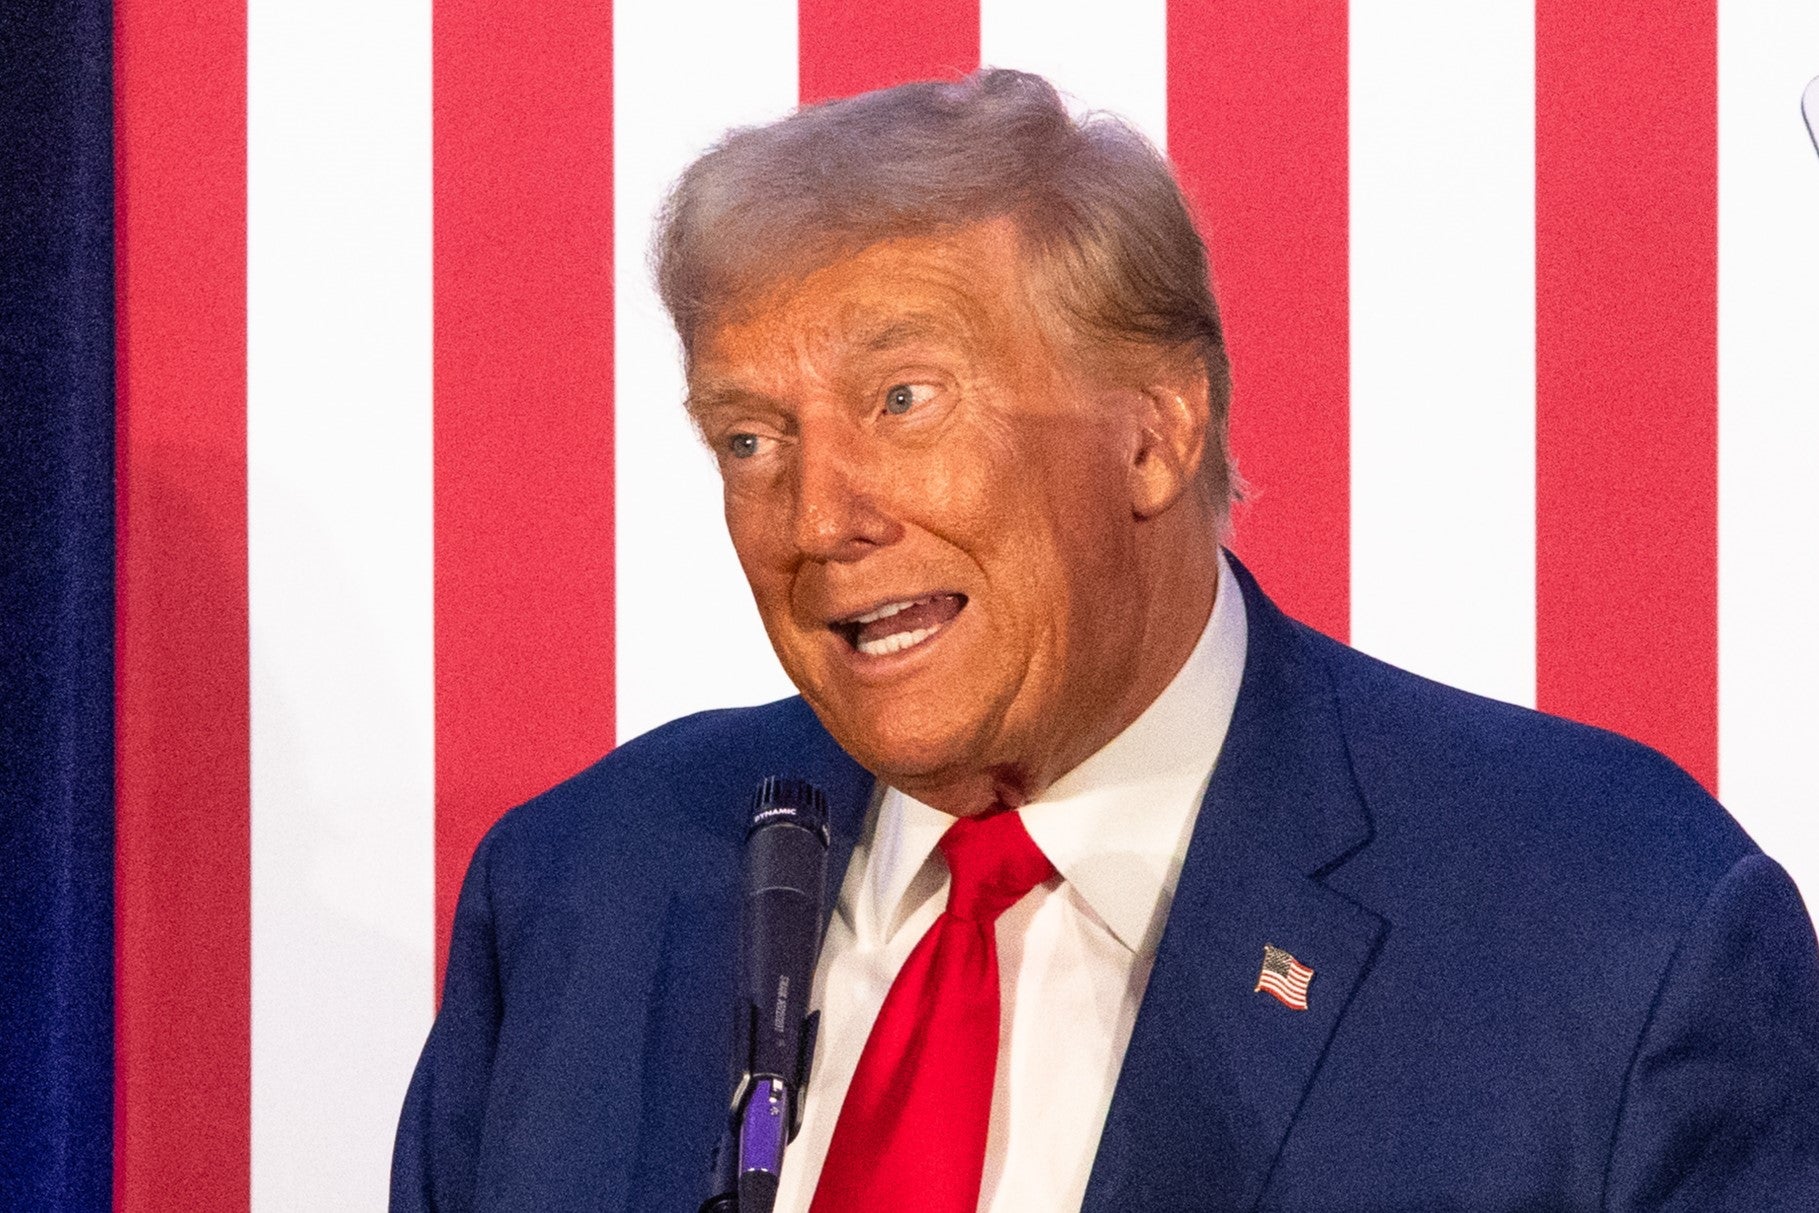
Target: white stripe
<point x="1443" y="349"/>
<point x="689" y="636"/>
<point x="1104" y="55"/>
<point x="339" y="532"/>
<point x="1768" y="429"/>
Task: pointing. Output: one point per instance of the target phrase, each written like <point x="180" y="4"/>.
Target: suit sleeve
<point x="1721" y="1109"/>
<point x="436" y="1153"/>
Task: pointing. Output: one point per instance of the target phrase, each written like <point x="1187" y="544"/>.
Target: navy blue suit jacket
<point x="1550" y="971"/>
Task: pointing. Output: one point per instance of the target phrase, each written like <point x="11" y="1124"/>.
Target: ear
<point x="1170" y="439"/>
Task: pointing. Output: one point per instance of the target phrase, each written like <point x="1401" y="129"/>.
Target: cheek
<point x="755" y="521"/>
<point x="954" y="481"/>
<point x="1083" y="554"/>
<point x="1063" y="502"/>
<point x="752" y="523"/>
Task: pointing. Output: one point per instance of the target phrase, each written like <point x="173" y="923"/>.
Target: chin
<point x="906" y="747"/>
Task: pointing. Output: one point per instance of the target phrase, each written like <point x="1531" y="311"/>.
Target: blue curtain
<point x="56" y="605"/>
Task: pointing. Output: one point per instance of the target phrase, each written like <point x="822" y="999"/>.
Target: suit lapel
<point x="1215" y="1071"/>
<point x="849" y="795"/>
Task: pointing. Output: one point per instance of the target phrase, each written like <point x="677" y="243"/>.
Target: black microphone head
<point x="783" y="801"/>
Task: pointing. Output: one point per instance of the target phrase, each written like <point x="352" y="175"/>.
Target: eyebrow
<point x="904" y="331"/>
<point x="716" y="394"/>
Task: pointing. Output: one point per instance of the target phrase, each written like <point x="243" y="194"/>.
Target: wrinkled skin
<point x="907" y="424"/>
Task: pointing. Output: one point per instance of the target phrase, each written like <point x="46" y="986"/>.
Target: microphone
<point x="784" y="895"/>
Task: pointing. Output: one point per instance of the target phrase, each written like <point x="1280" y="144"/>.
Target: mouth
<point x="892" y="627"/>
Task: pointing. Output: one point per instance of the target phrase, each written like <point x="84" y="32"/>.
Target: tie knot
<point x="994" y="862"/>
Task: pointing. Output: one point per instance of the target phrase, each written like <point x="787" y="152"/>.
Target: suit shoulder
<point x="682" y="781"/>
<point x="1529" y="788"/>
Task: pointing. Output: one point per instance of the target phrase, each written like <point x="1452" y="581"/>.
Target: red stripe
<point x="1626" y="370"/>
<point x="523" y="412"/>
<point x="1288" y="1000"/>
<point x="847" y="48"/>
<point x="1257" y="128"/>
<point x="183" y="835"/>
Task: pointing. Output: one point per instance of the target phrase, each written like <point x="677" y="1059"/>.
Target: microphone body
<point x="785" y="893"/>
<point x="784" y="897"/>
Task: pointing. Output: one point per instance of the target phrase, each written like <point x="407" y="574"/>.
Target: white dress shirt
<point x="1073" y="956"/>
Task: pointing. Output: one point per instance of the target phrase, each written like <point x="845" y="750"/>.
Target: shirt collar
<point x="1116" y="827"/>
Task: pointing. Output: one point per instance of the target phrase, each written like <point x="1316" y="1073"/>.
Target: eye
<point x="742" y="446"/>
<point x="903" y="397"/>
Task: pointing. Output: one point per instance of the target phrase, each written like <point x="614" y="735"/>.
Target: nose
<point x="839" y="511"/>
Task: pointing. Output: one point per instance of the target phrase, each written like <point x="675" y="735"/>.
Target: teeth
<point x="885" y="612"/>
<point x="896" y="642"/>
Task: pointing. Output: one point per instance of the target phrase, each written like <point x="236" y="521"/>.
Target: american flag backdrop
<point x="1523" y="304"/>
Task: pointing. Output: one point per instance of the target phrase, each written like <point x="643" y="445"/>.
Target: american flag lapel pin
<point x="1284" y="977"/>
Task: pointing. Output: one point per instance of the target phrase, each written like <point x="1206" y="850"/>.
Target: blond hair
<point x="1105" y="229"/>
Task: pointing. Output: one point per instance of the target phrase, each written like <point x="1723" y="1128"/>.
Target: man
<point x="1149" y="898"/>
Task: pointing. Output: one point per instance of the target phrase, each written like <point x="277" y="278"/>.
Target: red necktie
<point x="911" y="1134"/>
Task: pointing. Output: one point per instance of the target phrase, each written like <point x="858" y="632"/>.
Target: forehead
<point x="964" y="287"/>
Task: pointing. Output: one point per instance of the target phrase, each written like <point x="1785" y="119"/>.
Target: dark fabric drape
<point x="56" y="605"/>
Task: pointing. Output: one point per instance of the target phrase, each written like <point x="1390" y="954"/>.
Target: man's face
<point x="931" y="502"/>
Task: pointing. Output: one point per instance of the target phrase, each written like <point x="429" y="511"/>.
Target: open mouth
<point x="896" y="626"/>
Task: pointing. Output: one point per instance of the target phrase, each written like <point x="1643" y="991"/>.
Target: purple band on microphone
<point x="765" y="1128"/>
